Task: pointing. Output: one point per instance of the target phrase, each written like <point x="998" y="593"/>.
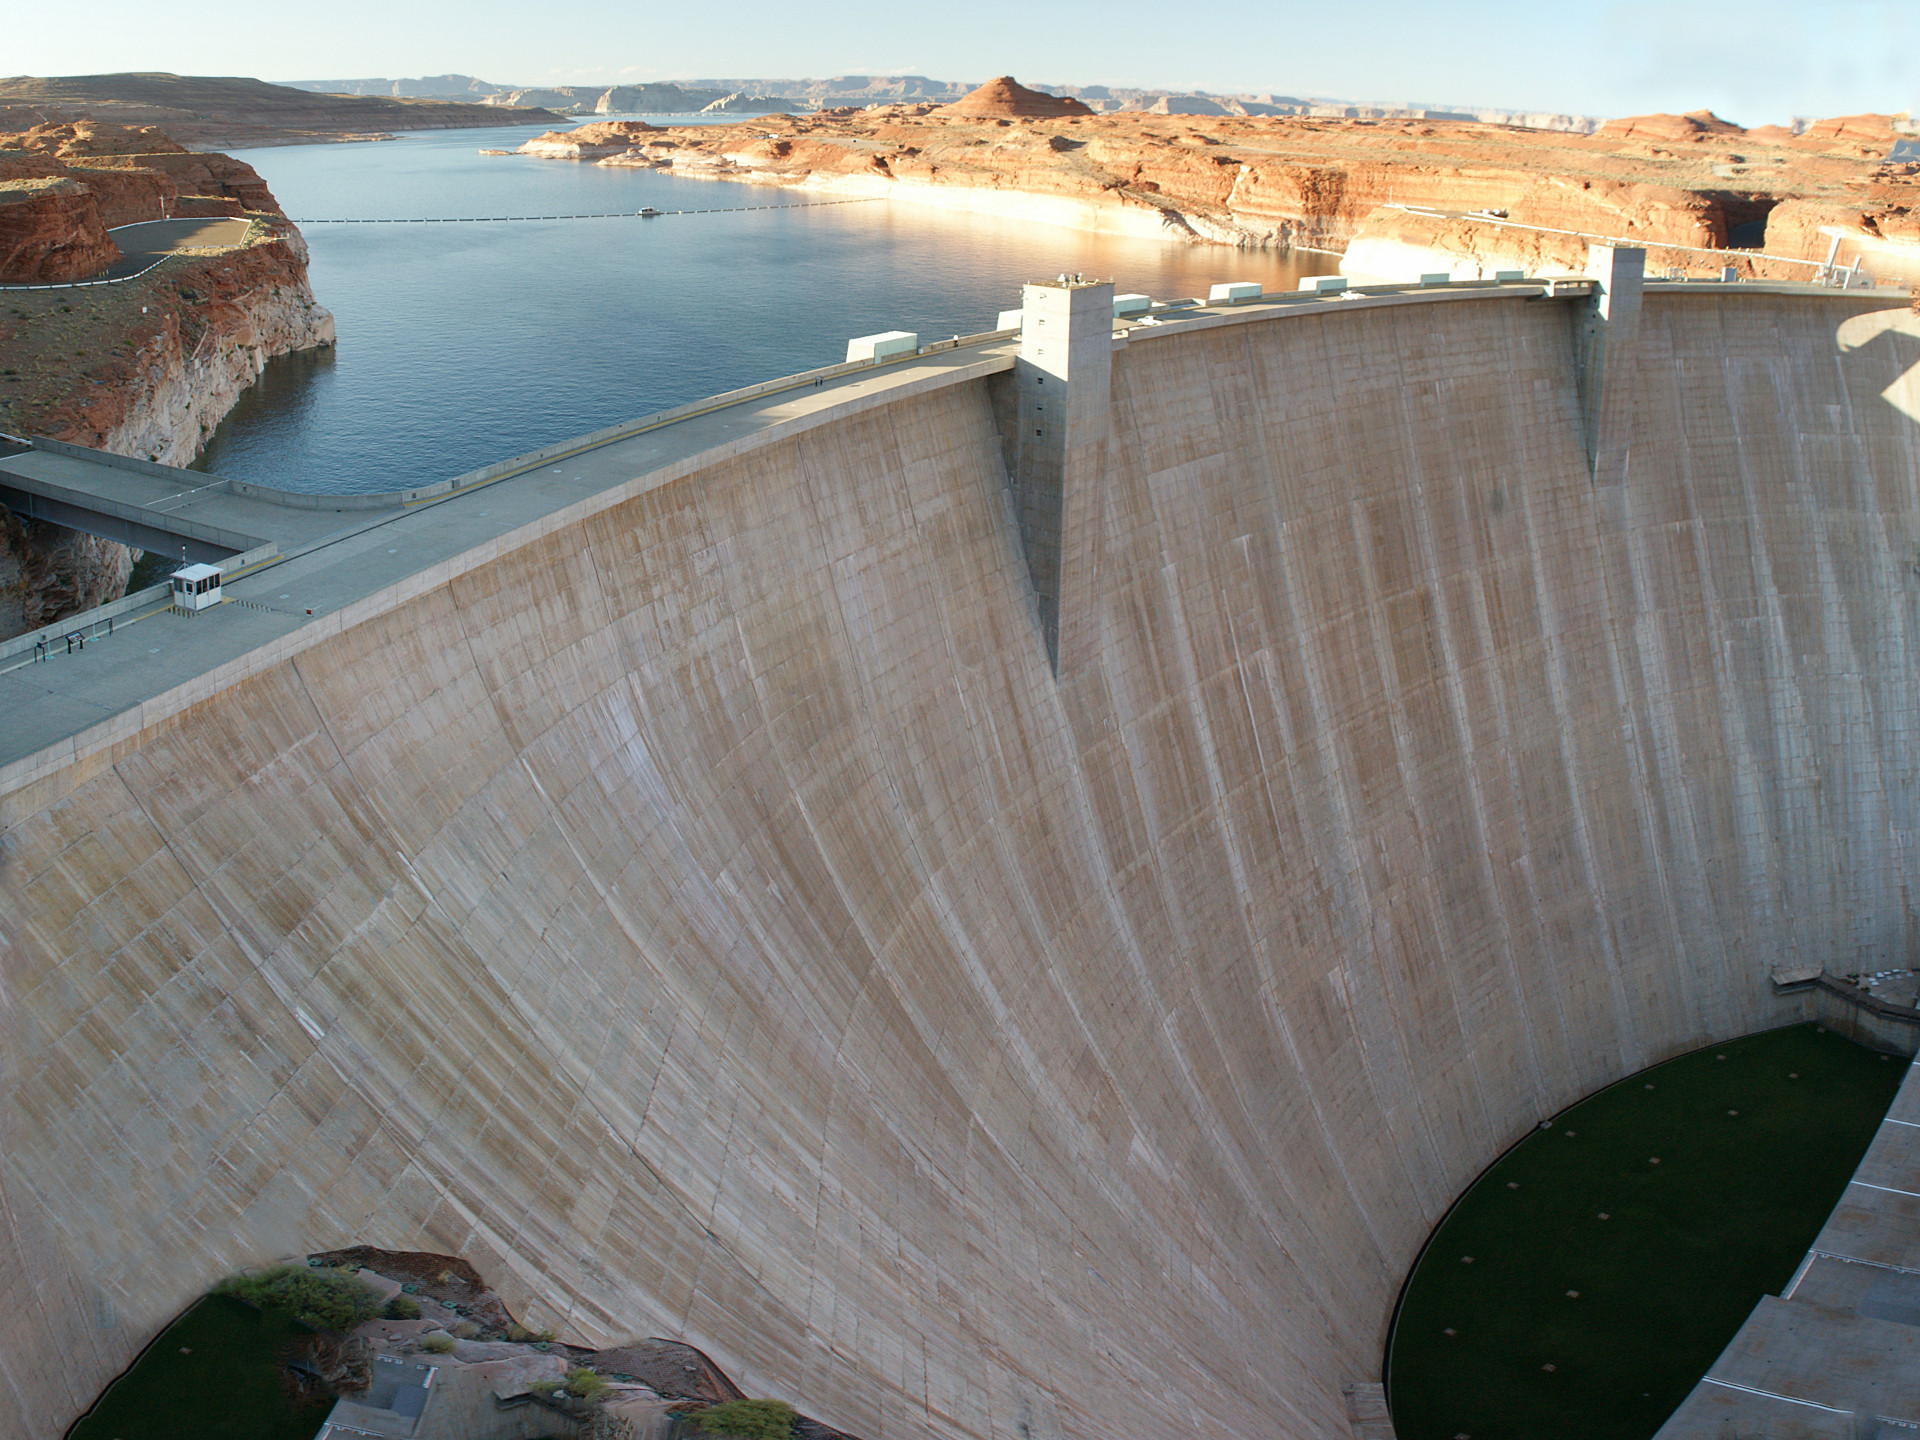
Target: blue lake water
<point x="464" y="344"/>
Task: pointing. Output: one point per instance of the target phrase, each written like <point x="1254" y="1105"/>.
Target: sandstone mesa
<point x="1284" y="181"/>
<point x="215" y="112"/>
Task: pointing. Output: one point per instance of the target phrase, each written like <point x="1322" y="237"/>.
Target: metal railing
<point x="158" y="261"/>
<point x="1482" y="218"/>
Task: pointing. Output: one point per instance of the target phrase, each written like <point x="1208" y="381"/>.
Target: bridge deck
<point x="333" y="560"/>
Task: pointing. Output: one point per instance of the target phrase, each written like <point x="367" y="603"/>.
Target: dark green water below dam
<point x="214" y="1374"/>
<point x="1589" y="1279"/>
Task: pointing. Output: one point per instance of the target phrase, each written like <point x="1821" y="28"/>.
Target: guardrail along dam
<point x="1001" y="894"/>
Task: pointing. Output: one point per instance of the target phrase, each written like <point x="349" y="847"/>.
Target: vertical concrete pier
<point x="1065" y="376"/>
<point x="1609" y="336"/>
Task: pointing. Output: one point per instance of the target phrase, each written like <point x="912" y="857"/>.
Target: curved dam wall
<point x="711" y="917"/>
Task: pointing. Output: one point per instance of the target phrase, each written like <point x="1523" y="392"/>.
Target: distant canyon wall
<point x="706" y="911"/>
<point x="1144" y="186"/>
<point x="1682" y="185"/>
<point x="1187" y="196"/>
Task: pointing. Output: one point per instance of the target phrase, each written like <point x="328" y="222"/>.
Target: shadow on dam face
<point x="712" y="918"/>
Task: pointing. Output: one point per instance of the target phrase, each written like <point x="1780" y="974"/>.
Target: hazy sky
<point x="1756" y="62"/>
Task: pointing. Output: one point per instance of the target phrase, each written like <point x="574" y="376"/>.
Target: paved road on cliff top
<point x="142" y="244"/>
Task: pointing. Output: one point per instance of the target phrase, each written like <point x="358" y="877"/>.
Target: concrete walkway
<point x="1836" y="1356"/>
<point x="141" y="245"/>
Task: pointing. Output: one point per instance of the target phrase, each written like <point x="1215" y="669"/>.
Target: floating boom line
<point x="647" y="214"/>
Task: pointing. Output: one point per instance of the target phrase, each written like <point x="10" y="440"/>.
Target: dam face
<point x="712" y="918"/>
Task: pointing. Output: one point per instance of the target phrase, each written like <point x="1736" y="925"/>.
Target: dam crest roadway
<point x="1000" y="893"/>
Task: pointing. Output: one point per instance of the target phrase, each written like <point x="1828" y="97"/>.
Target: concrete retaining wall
<point x="715" y="921"/>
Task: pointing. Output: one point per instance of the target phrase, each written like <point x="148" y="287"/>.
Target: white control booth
<point x="195" y="587"/>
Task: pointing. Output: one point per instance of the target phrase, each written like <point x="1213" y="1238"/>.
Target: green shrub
<point x="325" y="1298"/>
<point x="438" y="1343"/>
<point x="402" y="1307"/>
<point x="466" y="1330"/>
<point x="584" y="1384"/>
<point x="749" y="1419"/>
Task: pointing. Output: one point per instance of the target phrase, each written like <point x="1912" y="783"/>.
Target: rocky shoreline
<point x="1272" y="182"/>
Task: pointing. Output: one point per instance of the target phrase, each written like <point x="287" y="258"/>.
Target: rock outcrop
<point x="1403" y="246"/>
<point x="590" y="142"/>
<point x="134" y="173"/>
<point x="1280" y="181"/>
<point x="211" y="326"/>
<point x="48" y="572"/>
<point x="51" y="232"/>
<point x="608" y="99"/>
<point x="1006" y="98"/>
<point x="1693" y="128"/>
<point x="739" y="102"/>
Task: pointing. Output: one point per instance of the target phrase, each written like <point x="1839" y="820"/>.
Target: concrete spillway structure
<point x="704" y="908"/>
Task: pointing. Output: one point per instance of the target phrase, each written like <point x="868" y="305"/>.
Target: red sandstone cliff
<point x="51" y="231"/>
<point x="145" y="367"/>
<point x="134" y="174"/>
<point x="1673" y="180"/>
<point x="48" y="573"/>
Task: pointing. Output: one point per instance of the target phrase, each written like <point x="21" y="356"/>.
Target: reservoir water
<point x="464" y="344"/>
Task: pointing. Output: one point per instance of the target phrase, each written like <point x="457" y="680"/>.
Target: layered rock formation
<point x="215" y="112"/>
<point x="1694" y="128"/>
<point x="210" y="325"/>
<point x="590" y="142"/>
<point x="1692" y="180"/>
<point x="1005" y="97"/>
<point x="51" y="231"/>
<point x="48" y="572"/>
<point x="744" y="102"/>
<point x="1402" y="246"/>
<point x="609" y="99"/>
<point x="62" y="186"/>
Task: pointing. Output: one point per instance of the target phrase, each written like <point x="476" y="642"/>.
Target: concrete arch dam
<point x="707" y="909"/>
